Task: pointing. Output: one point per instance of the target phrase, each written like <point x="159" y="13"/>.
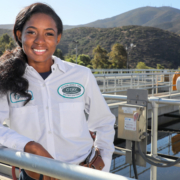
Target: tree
<point x="6" y="42"/>
<point x="59" y="53"/>
<point x="84" y="59"/>
<point x="70" y="60"/>
<point x="159" y="66"/>
<point x="118" y="56"/>
<point x="100" y="60"/>
<point x="141" y="65"/>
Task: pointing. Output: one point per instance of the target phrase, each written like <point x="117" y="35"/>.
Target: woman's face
<point x="39" y="38"/>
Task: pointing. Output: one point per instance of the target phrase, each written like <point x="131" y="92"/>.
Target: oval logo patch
<point x="71" y="90"/>
<point x="15" y="97"/>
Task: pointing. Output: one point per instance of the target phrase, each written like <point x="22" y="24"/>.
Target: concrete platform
<point x="4" y="177"/>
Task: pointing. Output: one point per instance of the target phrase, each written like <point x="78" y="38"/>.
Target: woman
<point x="44" y="98"/>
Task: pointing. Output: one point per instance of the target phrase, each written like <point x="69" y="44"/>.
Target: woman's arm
<point x="36" y="148"/>
<point x="8" y="137"/>
<point x="100" y="120"/>
<point x="11" y="139"/>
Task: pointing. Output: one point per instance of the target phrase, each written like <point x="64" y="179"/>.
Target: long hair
<point x="13" y="63"/>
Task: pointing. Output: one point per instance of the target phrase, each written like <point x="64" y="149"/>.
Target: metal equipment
<point x="132" y="123"/>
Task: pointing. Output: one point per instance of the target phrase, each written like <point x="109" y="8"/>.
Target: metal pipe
<point x="115" y="85"/>
<point x="154" y="134"/>
<point x="121" y="151"/>
<point x="131" y="85"/>
<point x="168" y="160"/>
<point x="133" y="70"/>
<point x="164" y="101"/>
<point x="152" y="85"/>
<point x="150" y="99"/>
<point x="116" y="97"/>
<point x="127" y="74"/>
<point x="156" y="84"/>
<point x="53" y="168"/>
<point x="104" y="84"/>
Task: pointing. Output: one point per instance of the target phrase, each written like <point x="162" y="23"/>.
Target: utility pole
<point x="128" y="49"/>
<point x="76" y="42"/>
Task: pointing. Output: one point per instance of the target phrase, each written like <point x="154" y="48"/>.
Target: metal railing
<point x="53" y="168"/>
<point x="121" y="71"/>
<point x="154" y="80"/>
<point x="155" y="101"/>
<point x="66" y="171"/>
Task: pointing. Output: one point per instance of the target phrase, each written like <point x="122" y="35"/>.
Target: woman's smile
<point x="39" y="51"/>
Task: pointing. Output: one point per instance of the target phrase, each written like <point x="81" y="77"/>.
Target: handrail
<point x="164" y="101"/>
<point x="132" y="70"/>
<point x="150" y="99"/>
<point x="115" y="97"/>
<point x="53" y="168"/>
<point x="132" y="74"/>
<point x="119" y="80"/>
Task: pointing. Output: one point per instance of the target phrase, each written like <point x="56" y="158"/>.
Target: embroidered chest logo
<point x="71" y="90"/>
<point x="15" y="97"/>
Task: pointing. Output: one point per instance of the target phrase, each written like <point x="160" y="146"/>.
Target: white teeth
<point x="39" y="50"/>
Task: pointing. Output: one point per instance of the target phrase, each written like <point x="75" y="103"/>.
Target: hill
<point x="8" y="31"/>
<point x="10" y="26"/>
<point x="153" y="45"/>
<point x="166" y="18"/>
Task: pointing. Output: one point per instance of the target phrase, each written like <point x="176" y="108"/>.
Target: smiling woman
<point x="39" y="38"/>
<point x="45" y="98"/>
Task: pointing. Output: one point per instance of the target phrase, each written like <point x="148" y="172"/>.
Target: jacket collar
<point x="57" y="61"/>
<point x="60" y="63"/>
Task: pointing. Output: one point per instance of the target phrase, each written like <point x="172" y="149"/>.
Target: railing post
<point x="156" y="83"/>
<point x="115" y="85"/>
<point x="154" y="136"/>
<point x="107" y="83"/>
<point x="152" y="85"/>
<point x="170" y="85"/>
<point x="104" y="84"/>
<point x="131" y="82"/>
<point x="138" y="81"/>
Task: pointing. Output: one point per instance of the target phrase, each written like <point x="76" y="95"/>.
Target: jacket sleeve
<point x="100" y="120"/>
<point x="9" y="137"/>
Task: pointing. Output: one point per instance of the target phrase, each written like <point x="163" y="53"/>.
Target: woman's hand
<point x="36" y="148"/>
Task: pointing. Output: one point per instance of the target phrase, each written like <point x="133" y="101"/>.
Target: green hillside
<point x="166" y="18"/>
<point x="153" y="45"/>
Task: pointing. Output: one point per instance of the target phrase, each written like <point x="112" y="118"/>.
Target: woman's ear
<point x="58" y="39"/>
<point x="19" y="35"/>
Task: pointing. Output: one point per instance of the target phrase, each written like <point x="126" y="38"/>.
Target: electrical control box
<point x="132" y="122"/>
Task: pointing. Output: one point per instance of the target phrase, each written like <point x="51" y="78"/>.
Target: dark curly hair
<point x="13" y="63"/>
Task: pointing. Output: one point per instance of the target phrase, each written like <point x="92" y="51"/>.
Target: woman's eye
<point x="30" y="32"/>
<point x="50" y="34"/>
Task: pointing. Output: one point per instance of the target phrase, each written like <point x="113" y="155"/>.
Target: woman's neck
<point x="42" y="67"/>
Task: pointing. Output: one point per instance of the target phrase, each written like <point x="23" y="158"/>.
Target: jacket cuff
<point x="20" y="145"/>
<point x="107" y="162"/>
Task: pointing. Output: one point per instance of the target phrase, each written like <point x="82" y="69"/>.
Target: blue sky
<point x="76" y="12"/>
